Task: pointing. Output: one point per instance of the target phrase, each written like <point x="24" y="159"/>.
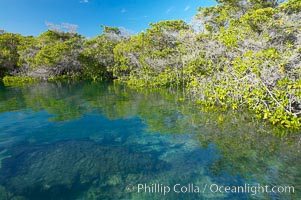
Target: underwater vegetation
<point x="59" y="169"/>
<point x="90" y="140"/>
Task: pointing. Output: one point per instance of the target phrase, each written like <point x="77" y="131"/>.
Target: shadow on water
<point x="91" y="140"/>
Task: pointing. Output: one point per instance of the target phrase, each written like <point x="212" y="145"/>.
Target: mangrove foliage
<point x="235" y="55"/>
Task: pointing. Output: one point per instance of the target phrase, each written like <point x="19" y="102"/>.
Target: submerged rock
<point x="66" y="168"/>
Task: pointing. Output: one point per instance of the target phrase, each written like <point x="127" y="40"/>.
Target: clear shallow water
<point x="102" y="141"/>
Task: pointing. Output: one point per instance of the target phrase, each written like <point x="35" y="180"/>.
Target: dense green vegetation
<point x="236" y="55"/>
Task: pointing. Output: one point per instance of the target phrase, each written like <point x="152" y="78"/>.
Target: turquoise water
<point x="106" y="141"/>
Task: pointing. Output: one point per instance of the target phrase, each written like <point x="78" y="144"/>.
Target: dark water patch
<point x="48" y="171"/>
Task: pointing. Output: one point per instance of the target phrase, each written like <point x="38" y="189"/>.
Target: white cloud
<point x="123" y="10"/>
<point x="126" y="32"/>
<point x="84" y="1"/>
<point x="70" y="27"/>
<point x="63" y="27"/>
<point x="169" y="10"/>
<point x="186" y="8"/>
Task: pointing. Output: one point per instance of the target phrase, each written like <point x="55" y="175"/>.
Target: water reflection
<point x="90" y="141"/>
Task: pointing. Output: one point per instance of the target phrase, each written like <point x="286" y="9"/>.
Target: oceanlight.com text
<point x="158" y="188"/>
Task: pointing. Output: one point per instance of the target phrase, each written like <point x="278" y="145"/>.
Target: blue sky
<point x="28" y="17"/>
